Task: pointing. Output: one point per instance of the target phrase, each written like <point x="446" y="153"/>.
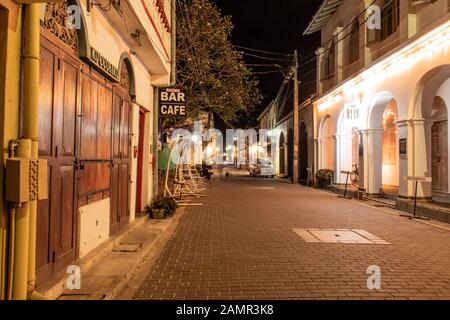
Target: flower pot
<point x="158" y="214"/>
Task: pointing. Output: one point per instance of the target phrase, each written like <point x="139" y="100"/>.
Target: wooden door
<point x="95" y="138"/>
<point x="120" y="171"/>
<point x="439" y="137"/>
<point x="59" y="103"/>
<point x="140" y="160"/>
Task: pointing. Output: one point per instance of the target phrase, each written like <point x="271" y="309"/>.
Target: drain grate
<point x="342" y="236"/>
<point x="82" y="297"/>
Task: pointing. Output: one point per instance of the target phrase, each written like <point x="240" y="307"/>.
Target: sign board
<point x="103" y="64"/>
<point x="172" y="103"/>
<point x="424" y="179"/>
<point x="403" y="147"/>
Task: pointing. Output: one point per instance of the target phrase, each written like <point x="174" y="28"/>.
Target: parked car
<point x="263" y="168"/>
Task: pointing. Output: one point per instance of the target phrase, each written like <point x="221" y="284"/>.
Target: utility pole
<point x="296" y="120"/>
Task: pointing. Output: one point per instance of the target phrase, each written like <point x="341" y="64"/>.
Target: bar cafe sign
<point x="172" y="103"/>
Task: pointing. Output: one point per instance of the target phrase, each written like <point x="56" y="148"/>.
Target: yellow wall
<point x="10" y="14"/>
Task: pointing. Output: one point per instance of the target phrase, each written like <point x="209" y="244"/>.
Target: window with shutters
<point x="354" y="42"/>
<point x="328" y="62"/>
<point x="332" y="59"/>
<point x="390" y="18"/>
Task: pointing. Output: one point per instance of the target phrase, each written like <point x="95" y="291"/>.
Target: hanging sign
<point x="172" y="103"/>
<point x="403" y="147"/>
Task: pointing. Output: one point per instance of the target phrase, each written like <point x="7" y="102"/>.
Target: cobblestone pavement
<point x="241" y="245"/>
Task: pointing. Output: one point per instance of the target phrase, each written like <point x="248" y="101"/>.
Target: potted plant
<point x="324" y="178"/>
<point x="161" y="207"/>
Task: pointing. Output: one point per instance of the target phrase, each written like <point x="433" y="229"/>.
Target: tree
<point x="209" y="69"/>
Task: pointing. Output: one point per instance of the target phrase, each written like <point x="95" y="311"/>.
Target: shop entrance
<point x="59" y="103"/>
<point x="439" y="146"/>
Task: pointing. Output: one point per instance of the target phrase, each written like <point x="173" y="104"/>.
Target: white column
<point x="375" y="161"/>
<point x="402" y="133"/>
<point x="343" y="159"/>
<point x="363" y="161"/>
<point x="421" y="153"/>
<point x="337" y="162"/>
<point x="318" y="153"/>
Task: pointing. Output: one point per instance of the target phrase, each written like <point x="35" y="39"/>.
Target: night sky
<point x="277" y="26"/>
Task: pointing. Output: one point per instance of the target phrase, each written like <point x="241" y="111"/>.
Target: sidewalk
<point x="105" y="277"/>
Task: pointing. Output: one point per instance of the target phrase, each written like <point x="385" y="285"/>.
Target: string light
<point x="396" y="63"/>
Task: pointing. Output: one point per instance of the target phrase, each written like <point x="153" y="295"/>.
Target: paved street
<point x="241" y="245"/>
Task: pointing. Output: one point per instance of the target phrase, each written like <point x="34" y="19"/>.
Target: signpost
<point x="172" y="103"/>
<point x="416" y="183"/>
<point x="348" y="173"/>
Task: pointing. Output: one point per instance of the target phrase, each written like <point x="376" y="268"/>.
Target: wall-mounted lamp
<point x="136" y="35"/>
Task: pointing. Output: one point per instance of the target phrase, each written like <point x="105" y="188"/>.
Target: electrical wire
<point x="262" y="57"/>
<point x="262" y="51"/>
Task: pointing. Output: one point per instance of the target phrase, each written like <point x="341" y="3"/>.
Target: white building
<point x="383" y="94"/>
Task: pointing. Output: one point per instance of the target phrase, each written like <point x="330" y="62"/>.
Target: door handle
<point x="78" y="165"/>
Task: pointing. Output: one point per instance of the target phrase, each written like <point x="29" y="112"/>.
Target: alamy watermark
<point x="373" y="17"/>
<point x="74" y="279"/>
<point x="238" y="146"/>
<point x="73" y="17"/>
<point x="374" y="280"/>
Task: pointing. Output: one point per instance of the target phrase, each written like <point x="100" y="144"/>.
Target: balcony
<point x="159" y="12"/>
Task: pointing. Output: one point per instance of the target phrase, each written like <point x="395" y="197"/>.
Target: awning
<point x="323" y="15"/>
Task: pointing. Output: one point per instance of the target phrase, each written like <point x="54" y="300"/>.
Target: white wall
<point x="402" y="80"/>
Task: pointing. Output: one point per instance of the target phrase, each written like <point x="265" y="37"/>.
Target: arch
<point x="430" y="133"/>
<point x="425" y="90"/>
<point x="376" y="109"/>
<point x="327" y="144"/>
<point x="347" y="146"/>
<point x="125" y="62"/>
<point x="383" y="161"/>
<point x="81" y="33"/>
<point x="321" y="125"/>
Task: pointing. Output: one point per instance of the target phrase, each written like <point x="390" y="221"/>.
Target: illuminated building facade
<point x="383" y="94"/>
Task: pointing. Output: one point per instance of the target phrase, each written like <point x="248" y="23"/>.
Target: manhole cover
<point x="344" y="236"/>
<point x="128" y="247"/>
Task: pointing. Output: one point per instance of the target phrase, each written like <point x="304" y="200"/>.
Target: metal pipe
<point x="11" y="235"/>
<point x="12" y="146"/>
<point x="31" y="55"/>
<point x="21" y="239"/>
<point x="25" y="224"/>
